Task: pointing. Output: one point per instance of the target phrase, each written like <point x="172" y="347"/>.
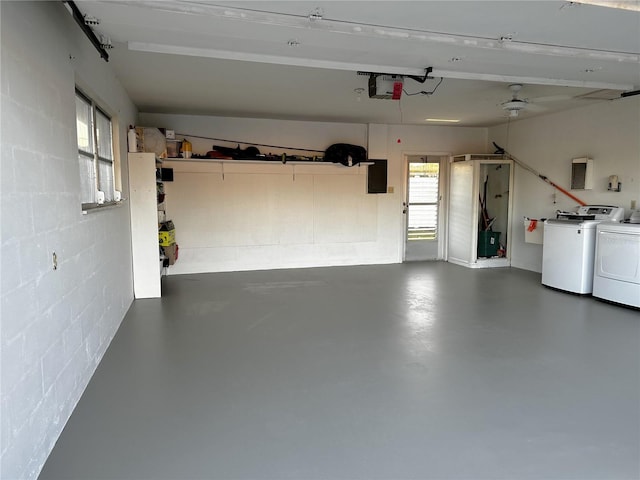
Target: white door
<point x="463" y="228"/>
<point x="422" y="208"/>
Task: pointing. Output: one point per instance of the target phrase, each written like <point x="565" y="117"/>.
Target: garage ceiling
<point x="299" y="59"/>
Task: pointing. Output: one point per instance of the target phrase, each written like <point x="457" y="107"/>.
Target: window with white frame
<point x="95" y="152"/>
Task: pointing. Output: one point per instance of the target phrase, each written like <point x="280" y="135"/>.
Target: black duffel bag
<point x="346" y="154"/>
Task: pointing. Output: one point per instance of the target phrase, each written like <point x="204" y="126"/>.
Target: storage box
<point x="173" y="148"/>
<point x="171" y="253"/>
<point x="533" y="230"/>
<point x="166" y="234"/>
<point x="167" y="238"/>
<point x="488" y="244"/>
<point x="152" y="140"/>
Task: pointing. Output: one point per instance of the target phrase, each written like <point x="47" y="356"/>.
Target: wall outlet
<point x="390" y="189"/>
<point x="633" y="204"/>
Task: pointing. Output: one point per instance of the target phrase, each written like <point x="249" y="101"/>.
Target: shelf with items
<point x="262" y="162"/>
<point x="143" y="205"/>
<point x="166" y="232"/>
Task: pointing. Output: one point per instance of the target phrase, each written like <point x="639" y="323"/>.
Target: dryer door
<point x="618" y="256"/>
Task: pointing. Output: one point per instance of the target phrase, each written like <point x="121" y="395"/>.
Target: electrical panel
<point x="582" y="174"/>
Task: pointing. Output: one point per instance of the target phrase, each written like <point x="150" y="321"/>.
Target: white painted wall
<point x="55" y="325"/>
<point x="609" y="132"/>
<point x="284" y="216"/>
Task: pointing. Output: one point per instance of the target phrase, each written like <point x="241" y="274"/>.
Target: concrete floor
<point x="421" y="370"/>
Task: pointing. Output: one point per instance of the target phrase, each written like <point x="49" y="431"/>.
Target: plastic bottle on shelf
<point x="186" y="148"/>
<point x="131" y="140"/>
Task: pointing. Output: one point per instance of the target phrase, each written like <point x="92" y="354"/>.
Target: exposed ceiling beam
<point x="316" y="20"/>
<point x="354" y="67"/>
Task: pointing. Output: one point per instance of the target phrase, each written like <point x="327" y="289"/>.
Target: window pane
<point x="103" y="126"/>
<point x="87" y="179"/>
<point x="423" y="201"/>
<point x="83" y="124"/>
<point x="106" y="179"/>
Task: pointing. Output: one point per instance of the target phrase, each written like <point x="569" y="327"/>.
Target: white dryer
<point x="616" y="275"/>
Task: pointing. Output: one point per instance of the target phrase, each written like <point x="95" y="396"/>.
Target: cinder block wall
<point x="55" y="324"/>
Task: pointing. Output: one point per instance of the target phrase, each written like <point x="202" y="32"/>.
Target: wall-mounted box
<point x="582" y="173"/>
<point x="533" y="230"/>
<point x="377" y="177"/>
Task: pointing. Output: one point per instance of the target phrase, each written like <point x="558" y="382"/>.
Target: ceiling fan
<point x="516" y="104"/>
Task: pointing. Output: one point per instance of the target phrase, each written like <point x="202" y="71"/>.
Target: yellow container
<point x="186" y="148"/>
<point x="167" y="237"/>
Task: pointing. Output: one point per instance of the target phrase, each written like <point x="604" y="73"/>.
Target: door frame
<point x="443" y="182"/>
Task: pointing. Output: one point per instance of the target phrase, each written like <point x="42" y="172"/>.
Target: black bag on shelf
<point x="237" y="153"/>
<point x="346" y="154"/>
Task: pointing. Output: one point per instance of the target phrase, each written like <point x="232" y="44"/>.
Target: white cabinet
<point x="479" y="213"/>
<point x="144" y="225"/>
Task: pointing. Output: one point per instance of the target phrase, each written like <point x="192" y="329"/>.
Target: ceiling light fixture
<point x="442" y="120"/>
<point x="633" y="5"/>
<point x="514" y="107"/>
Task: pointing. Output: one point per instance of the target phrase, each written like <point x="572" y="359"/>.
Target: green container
<point x="488" y="244"/>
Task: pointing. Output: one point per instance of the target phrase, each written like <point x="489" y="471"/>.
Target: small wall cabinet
<point x="143" y="204"/>
<point x="480" y="206"/>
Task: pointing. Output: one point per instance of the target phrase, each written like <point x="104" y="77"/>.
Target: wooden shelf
<point x="260" y="162"/>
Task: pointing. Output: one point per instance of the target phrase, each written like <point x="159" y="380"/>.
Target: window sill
<point x="95" y="207"/>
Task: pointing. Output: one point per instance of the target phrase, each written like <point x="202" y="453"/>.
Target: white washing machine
<point x="569" y="247"/>
<point x="616" y="275"/>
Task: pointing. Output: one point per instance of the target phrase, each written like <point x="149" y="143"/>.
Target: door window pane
<point x="422" y="221"/>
